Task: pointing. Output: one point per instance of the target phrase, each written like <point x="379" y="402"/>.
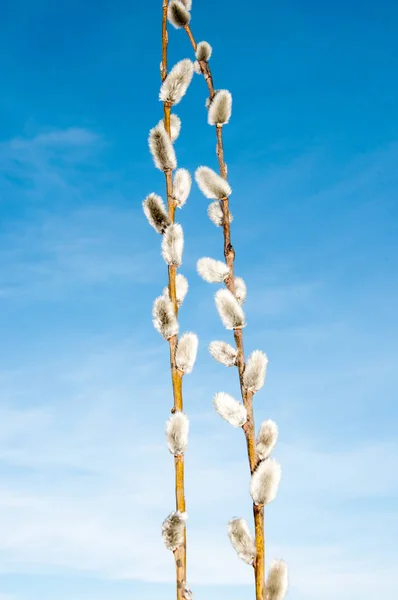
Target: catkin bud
<point x="173" y="530"/>
<point x="230" y="409"/>
<point x="177" y="81"/>
<point x="186" y="352"/>
<point x="203" y="51"/>
<point x="265" y="481"/>
<point x="223" y="353"/>
<point x="181" y="186"/>
<point x="177" y="14"/>
<point x="211" y="270"/>
<point x="255" y="371"/>
<point x="212" y="185"/>
<point x="175" y="127"/>
<point x="155" y="212"/>
<point x="173" y="244"/>
<point x="229" y="309"/>
<point x="164" y="319"/>
<point x="161" y="148"/>
<point x="177" y="429"/>
<point x="277" y="581"/>
<point x="220" y="108"/>
<point x="181" y="289"/>
<point x="240" y="290"/>
<point x="242" y="540"/>
<point x="215" y="214"/>
<point x="266" y="439"/>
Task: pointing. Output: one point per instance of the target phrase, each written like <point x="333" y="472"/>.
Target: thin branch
<point x="247" y="397"/>
<point x="176" y="375"/>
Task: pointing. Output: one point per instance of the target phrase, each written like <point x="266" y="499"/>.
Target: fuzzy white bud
<point x="155" y="212"/>
<point x="265" y="481"/>
<point x="187" y="4"/>
<point x="203" y="51"/>
<point x="188" y="595"/>
<point x="161" y="148"/>
<point x="173" y="530"/>
<point x="175" y="127"/>
<point x="177" y="429"/>
<point x="255" y="371"/>
<point x="181" y="186"/>
<point x="242" y="540"/>
<point x="277" y="581"/>
<point x="177" y="81"/>
<point x="229" y="309"/>
<point x="164" y="319"/>
<point x="196" y="67"/>
<point x="212" y="185"/>
<point x="181" y="289"/>
<point x="215" y="214"/>
<point x="177" y="14"/>
<point x="220" y="108"/>
<point x="223" y="353"/>
<point x="266" y="439"/>
<point x="240" y="290"/>
<point x="186" y="352"/>
<point x="230" y="409"/>
<point x="211" y="270"/>
<point x="173" y="244"/>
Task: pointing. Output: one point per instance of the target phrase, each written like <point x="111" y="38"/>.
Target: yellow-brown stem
<point x="259" y="562"/>
<point x="247" y="397"/>
<point x="176" y="376"/>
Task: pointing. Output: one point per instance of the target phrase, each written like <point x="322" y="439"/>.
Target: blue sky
<point x="312" y="149"/>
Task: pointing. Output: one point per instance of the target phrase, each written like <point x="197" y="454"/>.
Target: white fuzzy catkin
<point x="223" y="353"/>
<point x="229" y="309"/>
<point x="181" y="186"/>
<point x="187" y="4"/>
<point x="230" y="409"/>
<point x="277" y="581"/>
<point x="173" y="244"/>
<point x="164" y="319"/>
<point x="161" y="148"/>
<point x="240" y="290"/>
<point x="177" y="429"/>
<point x="212" y="185"/>
<point x="173" y="530"/>
<point x="203" y="51"/>
<point x="155" y="212"/>
<point x="211" y="270"/>
<point x="177" y="81"/>
<point x="215" y="214"/>
<point x="265" y="481"/>
<point x="196" y="67"/>
<point x="220" y="108"/>
<point x="255" y="371"/>
<point x="242" y="540"/>
<point x="188" y="595"/>
<point x="186" y="352"/>
<point x="181" y="289"/>
<point x="177" y="14"/>
<point x="266" y="439"/>
<point x="175" y="127"/>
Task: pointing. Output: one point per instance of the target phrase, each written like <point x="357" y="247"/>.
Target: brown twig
<point x="176" y="375"/>
<point x="247" y="397"/>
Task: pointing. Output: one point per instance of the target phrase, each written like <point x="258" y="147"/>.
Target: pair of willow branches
<point x="265" y="472"/>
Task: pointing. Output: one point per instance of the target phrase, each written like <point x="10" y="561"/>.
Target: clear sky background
<point x="312" y="151"/>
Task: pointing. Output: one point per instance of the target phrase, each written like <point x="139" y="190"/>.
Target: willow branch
<point x="176" y="375"/>
<point x="247" y="397"/>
